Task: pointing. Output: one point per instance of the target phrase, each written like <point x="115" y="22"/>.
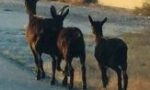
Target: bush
<point x="145" y="10"/>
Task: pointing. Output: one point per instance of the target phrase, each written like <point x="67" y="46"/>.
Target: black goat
<point x="71" y="44"/>
<point x="110" y="53"/>
<point x="42" y="38"/>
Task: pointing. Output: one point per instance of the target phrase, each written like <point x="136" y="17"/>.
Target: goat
<point x="71" y="44"/>
<point x="110" y="53"/>
<point x="41" y="37"/>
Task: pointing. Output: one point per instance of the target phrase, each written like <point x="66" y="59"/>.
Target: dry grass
<point x="145" y="10"/>
<point x="138" y="60"/>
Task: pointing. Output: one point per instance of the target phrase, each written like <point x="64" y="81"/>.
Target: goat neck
<point x="98" y="39"/>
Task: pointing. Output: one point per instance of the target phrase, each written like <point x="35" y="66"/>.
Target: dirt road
<point x="15" y="77"/>
<point x="13" y="46"/>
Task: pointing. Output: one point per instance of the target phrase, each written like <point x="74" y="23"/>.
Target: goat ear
<point x="90" y="19"/>
<point x="53" y="11"/>
<point x="61" y="11"/>
<point x="35" y="1"/>
<point x="66" y="13"/>
<point x="105" y="19"/>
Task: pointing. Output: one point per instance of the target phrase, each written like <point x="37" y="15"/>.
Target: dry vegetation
<point x="139" y="60"/>
<point x="145" y="10"/>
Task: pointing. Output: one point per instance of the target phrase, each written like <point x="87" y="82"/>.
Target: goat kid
<point x="110" y="53"/>
<point x="71" y="44"/>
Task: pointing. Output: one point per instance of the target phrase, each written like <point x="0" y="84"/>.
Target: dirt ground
<point x="121" y="23"/>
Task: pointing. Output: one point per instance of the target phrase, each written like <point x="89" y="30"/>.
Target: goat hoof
<point x="84" y="88"/>
<point x="53" y="82"/>
<point x="121" y="89"/>
<point x="64" y="83"/>
<point x="43" y="75"/>
<point x="70" y="87"/>
<point x="38" y="78"/>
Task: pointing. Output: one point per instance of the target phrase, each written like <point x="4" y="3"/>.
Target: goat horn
<point x="61" y="11"/>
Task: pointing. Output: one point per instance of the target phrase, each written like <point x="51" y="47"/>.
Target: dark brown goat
<point x="42" y="38"/>
<point x="110" y="53"/>
<point x="71" y="44"/>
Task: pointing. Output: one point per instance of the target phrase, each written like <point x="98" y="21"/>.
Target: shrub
<point x="144" y="10"/>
